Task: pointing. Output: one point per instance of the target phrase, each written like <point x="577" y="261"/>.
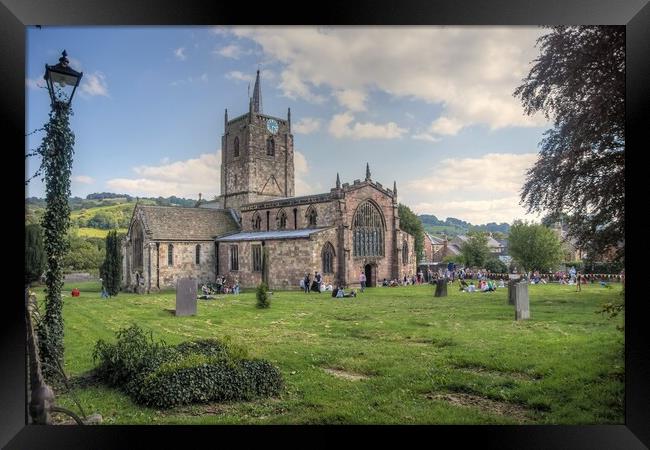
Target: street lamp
<point x="62" y="75"/>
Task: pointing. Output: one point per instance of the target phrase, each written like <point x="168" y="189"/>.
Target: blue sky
<point x="428" y="107"/>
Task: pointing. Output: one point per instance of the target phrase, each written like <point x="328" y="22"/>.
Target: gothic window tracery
<point x="236" y="146"/>
<point x="328" y="258"/>
<point x="405" y="253"/>
<point x="368" y="231"/>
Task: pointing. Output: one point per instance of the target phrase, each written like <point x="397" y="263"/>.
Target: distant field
<point x="390" y="356"/>
<point x="96" y="232"/>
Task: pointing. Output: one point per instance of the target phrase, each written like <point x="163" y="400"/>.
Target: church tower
<point x="256" y="156"/>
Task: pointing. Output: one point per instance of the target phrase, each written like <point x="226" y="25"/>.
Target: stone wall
<point x="253" y="175"/>
<point x="289" y="260"/>
<point x="157" y="274"/>
<point x="326" y="215"/>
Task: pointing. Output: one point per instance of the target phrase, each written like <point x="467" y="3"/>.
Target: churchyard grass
<point x="391" y="355"/>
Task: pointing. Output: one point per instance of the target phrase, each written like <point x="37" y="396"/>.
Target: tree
<point x="475" y="251"/>
<point x="534" y="246"/>
<point x="111" y="270"/>
<point x="410" y="223"/>
<point x="34" y="253"/>
<point x="495" y="265"/>
<point x="579" y="81"/>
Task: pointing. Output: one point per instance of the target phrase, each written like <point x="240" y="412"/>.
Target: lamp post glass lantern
<point x="62" y="81"/>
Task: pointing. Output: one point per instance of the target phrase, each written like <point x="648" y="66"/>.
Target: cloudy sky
<point x="428" y="107"/>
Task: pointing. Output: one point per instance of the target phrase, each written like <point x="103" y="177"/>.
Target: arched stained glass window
<point x="328" y="258"/>
<point x="257" y="221"/>
<point x="236" y="146"/>
<point x="368" y="230"/>
<point x="282" y="220"/>
<point x="405" y="253"/>
<point x="170" y="255"/>
<point x="198" y="254"/>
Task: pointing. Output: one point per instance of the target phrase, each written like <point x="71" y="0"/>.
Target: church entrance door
<point x="370" y="275"/>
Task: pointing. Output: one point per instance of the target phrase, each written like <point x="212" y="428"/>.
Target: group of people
<point x="221" y="286"/>
<point x="483" y="285"/>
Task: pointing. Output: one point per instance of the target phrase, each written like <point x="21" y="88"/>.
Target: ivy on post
<point x="56" y="152"/>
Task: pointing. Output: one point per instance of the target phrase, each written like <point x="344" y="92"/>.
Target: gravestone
<point x="441" y="287"/>
<point x="186" y="297"/>
<point x="522" y="304"/>
<point x="514" y="279"/>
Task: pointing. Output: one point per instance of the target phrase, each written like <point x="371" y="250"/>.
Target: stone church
<point x="257" y="230"/>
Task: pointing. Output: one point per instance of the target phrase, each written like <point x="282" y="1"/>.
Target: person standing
<point x="307" y="283"/>
<point x="362" y="281"/>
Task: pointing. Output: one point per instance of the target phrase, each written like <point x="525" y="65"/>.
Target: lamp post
<point x="57" y="154"/>
<point x="65" y="77"/>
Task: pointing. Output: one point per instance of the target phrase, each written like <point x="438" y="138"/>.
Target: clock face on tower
<point x="272" y="126"/>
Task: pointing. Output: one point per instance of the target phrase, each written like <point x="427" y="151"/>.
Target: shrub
<point x="162" y="376"/>
<point x="495" y="265"/>
<point x="263" y="296"/>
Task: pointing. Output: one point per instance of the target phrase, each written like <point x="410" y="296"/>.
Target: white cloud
<point x="426" y="137"/>
<point x="306" y="125"/>
<point x="303" y="186"/>
<point x="352" y="99"/>
<point x="471" y="71"/>
<point x="239" y="76"/>
<point x="38" y="83"/>
<point x="492" y="172"/>
<point x="341" y="126"/>
<point x="93" y="84"/>
<point x="181" y="178"/>
<point x="446" y="126"/>
<point x="179" y="53"/>
<point x="83" y="179"/>
<point x="189" y="80"/>
<point x="231" y="51"/>
<point x="480" y="190"/>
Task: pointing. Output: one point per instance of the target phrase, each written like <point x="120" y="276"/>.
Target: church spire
<point x="257" y="94"/>
<point x="367" y="172"/>
<point x="338" y="181"/>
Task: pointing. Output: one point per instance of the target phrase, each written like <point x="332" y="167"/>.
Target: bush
<point x="162" y="376"/>
<point x="263" y="296"/>
<point x="495" y="265"/>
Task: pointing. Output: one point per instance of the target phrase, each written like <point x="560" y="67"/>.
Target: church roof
<point x="270" y="235"/>
<point x="186" y="224"/>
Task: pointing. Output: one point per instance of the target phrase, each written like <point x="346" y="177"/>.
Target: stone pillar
<point x="511" y="291"/>
<point x="522" y="304"/>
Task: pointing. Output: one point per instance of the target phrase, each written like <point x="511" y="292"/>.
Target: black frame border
<point x="16" y="15"/>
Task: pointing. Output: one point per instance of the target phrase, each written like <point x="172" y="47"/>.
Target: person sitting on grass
<point x="471" y="287"/>
<point x="340" y="293"/>
<point x="502" y="283"/>
<point x="335" y="292"/>
<point x="385" y="282"/>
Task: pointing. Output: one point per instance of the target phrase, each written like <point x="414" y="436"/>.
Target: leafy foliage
<point x="83" y="253"/>
<point x="534" y="246"/>
<point x="34" y="253"/>
<point x="162" y="376"/>
<point x="579" y="80"/>
<point x="111" y="270"/>
<point x="56" y="152"/>
<point x="475" y="250"/>
<point x="410" y="223"/>
<point x="262" y="296"/>
<point x="495" y="265"/>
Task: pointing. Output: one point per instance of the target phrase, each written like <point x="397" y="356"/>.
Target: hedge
<point x="157" y="375"/>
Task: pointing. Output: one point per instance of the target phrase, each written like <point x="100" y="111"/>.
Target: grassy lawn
<point x="392" y="355"/>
